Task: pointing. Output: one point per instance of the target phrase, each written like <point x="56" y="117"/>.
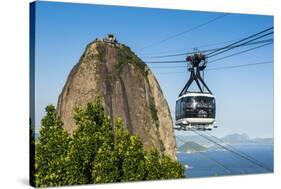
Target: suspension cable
<point x="240" y="52"/>
<point x="234" y="152"/>
<point x="230" y="48"/>
<point x="216" y="68"/>
<point x="233" y="148"/>
<point x="234" y="54"/>
<point x="208" y="50"/>
<point x="186" y="31"/>
<point x="244" y="39"/>
<point x="210" y="158"/>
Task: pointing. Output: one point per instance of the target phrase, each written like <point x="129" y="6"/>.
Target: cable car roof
<point x="191" y="94"/>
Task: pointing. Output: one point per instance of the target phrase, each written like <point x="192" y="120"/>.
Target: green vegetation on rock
<point x="125" y="55"/>
<point x="101" y="48"/>
<point x="98" y="152"/>
<point x="153" y="110"/>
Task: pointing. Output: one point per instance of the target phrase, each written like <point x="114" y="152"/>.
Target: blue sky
<point x="244" y="95"/>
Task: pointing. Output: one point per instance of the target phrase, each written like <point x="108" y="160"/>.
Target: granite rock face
<point x="128" y="90"/>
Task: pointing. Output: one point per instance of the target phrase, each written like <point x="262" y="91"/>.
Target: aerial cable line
<point x="186" y="31"/>
<point x="146" y="55"/>
<point x="230" y="150"/>
<point x="241" y="65"/>
<point x="234" y="54"/>
<point x="223" y="68"/>
<point x="233" y="157"/>
<point x="269" y="41"/>
<point x="167" y="61"/>
<point x="208" y="50"/>
<point x="234" y="152"/>
<point x="244" y="39"/>
<point x="239" y="45"/>
<point x="217" y="162"/>
<point x="184" y="50"/>
<point x="211" y="159"/>
<point x="240" y="52"/>
<point x="233" y="148"/>
<point x="218" y="68"/>
<point x="238" y="151"/>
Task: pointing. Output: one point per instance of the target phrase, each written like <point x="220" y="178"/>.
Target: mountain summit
<point x="128" y="89"/>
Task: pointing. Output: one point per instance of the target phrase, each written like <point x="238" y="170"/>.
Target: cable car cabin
<point x="195" y="111"/>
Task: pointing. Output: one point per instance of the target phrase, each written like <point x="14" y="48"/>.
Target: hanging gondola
<point x="196" y="110"/>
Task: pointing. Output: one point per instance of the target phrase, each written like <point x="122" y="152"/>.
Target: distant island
<point x="191" y="147"/>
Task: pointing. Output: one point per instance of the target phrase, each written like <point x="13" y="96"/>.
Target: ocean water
<point x="203" y="165"/>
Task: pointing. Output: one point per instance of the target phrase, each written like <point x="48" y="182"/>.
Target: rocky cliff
<point x="128" y="89"/>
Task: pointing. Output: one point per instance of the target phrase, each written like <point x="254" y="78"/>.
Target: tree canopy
<point x="97" y="152"/>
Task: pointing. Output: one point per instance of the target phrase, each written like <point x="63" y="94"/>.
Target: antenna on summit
<point x="110" y="39"/>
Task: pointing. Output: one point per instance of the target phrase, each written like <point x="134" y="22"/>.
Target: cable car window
<point x="196" y="107"/>
<point x="189" y="102"/>
<point x="182" y="104"/>
<point x="177" y="110"/>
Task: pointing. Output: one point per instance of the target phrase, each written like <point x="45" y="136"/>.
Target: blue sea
<point x="202" y="164"/>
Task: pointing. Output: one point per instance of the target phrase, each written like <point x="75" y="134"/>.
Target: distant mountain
<point x="263" y="140"/>
<point x="231" y="139"/>
<point x="236" y="138"/>
<point x="245" y="139"/>
<point x="191" y="147"/>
